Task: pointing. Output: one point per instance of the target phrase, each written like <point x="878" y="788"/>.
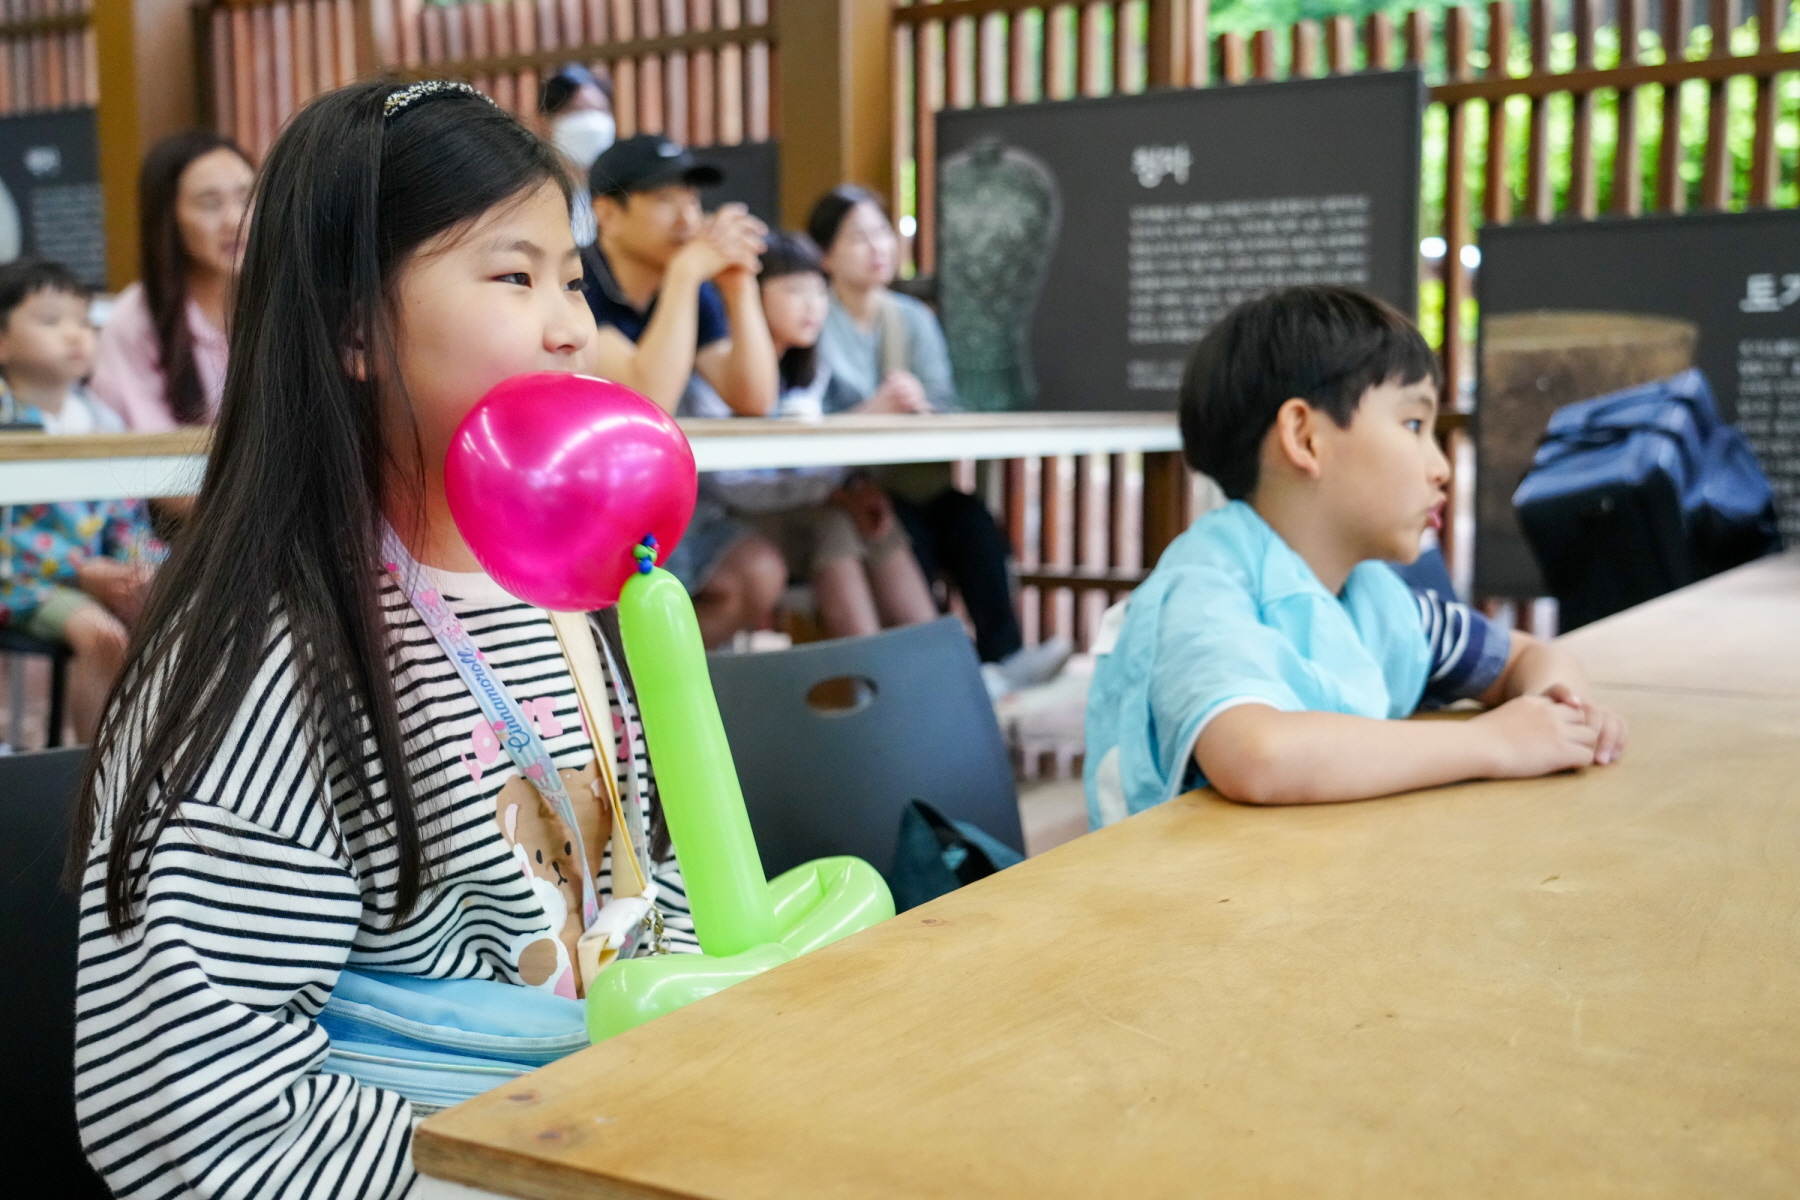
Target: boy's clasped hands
<point x="1551" y="730"/>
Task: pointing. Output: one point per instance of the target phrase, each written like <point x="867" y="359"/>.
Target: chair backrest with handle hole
<point x="832" y="739"/>
<point x="37" y="982"/>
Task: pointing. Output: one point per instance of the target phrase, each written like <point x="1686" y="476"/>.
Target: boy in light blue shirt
<point x="1272" y="645"/>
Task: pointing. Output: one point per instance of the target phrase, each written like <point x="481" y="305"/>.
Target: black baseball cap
<point x="647" y="161"/>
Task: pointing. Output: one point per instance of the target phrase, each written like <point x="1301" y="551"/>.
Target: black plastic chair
<point x="898" y="715"/>
<point x="37" y="984"/>
<point x="13" y="641"/>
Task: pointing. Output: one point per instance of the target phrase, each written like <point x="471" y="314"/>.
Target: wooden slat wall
<point x="47" y="56"/>
<point x="1081" y="51"/>
<point x="696" y="70"/>
<point x="1075" y="522"/>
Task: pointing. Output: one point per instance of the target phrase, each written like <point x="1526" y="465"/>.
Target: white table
<point x="36" y="469"/>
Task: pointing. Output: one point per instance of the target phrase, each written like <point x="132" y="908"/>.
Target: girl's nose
<point x="569" y="328"/>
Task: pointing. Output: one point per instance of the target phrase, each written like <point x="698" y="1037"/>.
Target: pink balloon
<point x="554" y="478"/>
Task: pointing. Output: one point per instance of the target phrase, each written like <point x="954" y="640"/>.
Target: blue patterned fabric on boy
<point x="41" y="545"/>
<point x="1232" y="615"/>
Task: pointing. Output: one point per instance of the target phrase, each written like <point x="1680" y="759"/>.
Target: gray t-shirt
<point x="854" y="356"/>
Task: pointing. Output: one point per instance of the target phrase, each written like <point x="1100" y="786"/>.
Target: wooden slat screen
<point x="1083" y="528"/>
<point x="47" y="56"/>
<point x="696" y="70"/>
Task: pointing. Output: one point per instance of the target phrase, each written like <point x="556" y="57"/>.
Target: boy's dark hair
<point x="793" y="254"/>
<point x="1324" y="345"/>
<point x="24" y="278"/>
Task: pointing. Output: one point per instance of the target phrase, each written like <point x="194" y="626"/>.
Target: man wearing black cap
<point x="674" y="290"/>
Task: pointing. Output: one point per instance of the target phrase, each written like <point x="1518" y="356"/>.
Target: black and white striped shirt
<point x="197" y="1054"/>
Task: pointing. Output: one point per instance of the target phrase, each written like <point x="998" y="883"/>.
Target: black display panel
<point x="1084" y="246"/>
<point x="752" y="173"/>
<point x="50" y="191"/>
<point x="1576" y="309"/>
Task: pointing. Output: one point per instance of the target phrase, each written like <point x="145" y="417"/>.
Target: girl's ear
<point x="1296" y="434"/>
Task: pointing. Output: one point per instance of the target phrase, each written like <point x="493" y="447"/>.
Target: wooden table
<point x="35" y="468"/>
<point x="1736" y="633"/>
<point x="1583" y="985"/>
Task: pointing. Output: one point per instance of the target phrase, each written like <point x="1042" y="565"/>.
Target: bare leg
<point x="901" y="592"/>
<point x="741" y="592"/>
<point x="99" y="640"/>
<point x="846" y="605"/>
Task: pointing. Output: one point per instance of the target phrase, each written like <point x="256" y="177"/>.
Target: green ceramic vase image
<point x="998" y="216"/>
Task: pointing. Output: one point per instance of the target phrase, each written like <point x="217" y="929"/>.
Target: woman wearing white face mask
<point x="577" y="107"/>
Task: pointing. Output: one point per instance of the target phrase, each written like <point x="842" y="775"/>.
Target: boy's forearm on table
<point x="1258" y="755"/>
<point x="1533" y="668"/>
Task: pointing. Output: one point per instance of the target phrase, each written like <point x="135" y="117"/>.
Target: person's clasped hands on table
<point x="1269" y="649"/>
<point x="730" y="240"/>
<point x="900" y="392"/>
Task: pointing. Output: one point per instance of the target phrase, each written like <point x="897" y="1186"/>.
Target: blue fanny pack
<point x="439" y="1042"/>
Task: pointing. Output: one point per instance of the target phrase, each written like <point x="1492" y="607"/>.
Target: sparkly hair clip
<point x="398" y="102"/>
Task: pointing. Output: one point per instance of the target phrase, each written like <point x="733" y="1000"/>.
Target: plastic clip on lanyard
<point x="609" y="932"/>
<point x="633" y="902"/>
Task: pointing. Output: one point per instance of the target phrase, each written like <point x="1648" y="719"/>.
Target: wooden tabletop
<point x="1582" y="985"/>
<point x="1736" y="633"/>
<point x="37" y="468"/>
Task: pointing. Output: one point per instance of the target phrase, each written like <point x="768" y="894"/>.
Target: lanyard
<point x="631" y="807"/>
<point x="523" y="745"/>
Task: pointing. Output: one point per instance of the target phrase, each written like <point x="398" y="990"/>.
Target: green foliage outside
<point x="1248" y="16"/>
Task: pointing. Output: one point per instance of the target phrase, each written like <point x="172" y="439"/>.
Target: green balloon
<point x="746" y="924"/>
<point x="819" y="902"/>
<point x="815" y="904"/>
<point x="628" y="993"/>
<point x="726" y="889"/>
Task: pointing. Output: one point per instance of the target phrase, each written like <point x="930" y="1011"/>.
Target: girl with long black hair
<point x="292" y="781"/>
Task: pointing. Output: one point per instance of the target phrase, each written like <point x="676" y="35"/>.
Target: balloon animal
<point x="569" y="490"/>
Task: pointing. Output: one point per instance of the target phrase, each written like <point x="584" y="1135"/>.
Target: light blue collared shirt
<point x="1232" y="615"/>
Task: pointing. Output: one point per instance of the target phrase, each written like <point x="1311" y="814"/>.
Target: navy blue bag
<point x="1639" y="492"/>
<point x="936" y="855"/>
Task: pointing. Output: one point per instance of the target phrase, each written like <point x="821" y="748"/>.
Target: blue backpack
<point x="1639" y="492"/>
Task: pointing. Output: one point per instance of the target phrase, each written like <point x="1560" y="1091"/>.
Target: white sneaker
<point x="994" y="679"/>
<point x="1035" y="665"/>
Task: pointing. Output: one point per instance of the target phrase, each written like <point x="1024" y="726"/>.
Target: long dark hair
<point x="165" y="264"/>
<point x="793" y="254"/>
<point x="286" y="529"/>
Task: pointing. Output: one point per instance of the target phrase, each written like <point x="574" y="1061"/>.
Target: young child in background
<point x="294" y="779"/>
<point x="1266" y="652"/>
<point x="862" y="582"/>
<point x="74" y="571"/>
